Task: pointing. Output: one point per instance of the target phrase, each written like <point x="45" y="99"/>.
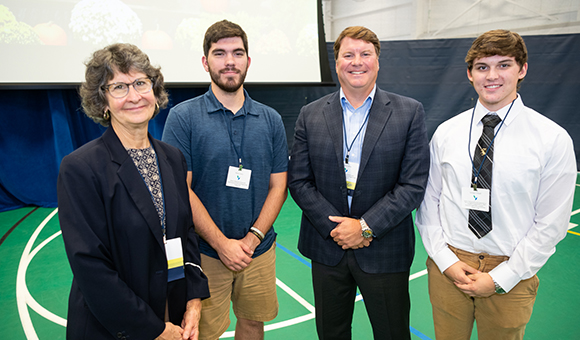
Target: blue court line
<point x="413" y="330"/>
<point x="419" y="334"/>
<point x="294" y="255"/>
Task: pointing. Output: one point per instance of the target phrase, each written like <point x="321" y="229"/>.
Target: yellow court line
<point x="573" y="232"/>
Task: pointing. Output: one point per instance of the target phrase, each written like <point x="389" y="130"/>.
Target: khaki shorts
<point x="252" y="292"/>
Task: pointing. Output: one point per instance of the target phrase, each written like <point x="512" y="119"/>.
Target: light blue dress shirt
<point x="354" y="120"/>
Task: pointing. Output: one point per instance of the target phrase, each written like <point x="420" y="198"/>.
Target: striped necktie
<point x="480" y="221"/>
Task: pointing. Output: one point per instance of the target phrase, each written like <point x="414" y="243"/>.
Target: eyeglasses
<point x="120" y="90"/>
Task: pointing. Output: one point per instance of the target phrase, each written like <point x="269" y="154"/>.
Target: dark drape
<point x="39" y="127"/>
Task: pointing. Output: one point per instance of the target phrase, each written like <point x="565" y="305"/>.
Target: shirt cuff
<point x="504" y="276"/>
<point x="444" y="259"/>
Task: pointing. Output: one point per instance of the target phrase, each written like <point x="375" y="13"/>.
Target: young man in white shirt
<point x="488" y="273"/>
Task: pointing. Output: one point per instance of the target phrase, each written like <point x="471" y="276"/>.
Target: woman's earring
<point x="106" y="115"/>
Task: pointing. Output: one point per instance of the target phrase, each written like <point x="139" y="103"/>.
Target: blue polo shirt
<point x="210" y="137"/>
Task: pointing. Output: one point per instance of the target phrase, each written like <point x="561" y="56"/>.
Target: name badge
<point x="475" y="199"/>
<point x="174" y="253"/>
<point x="351" y="172"/>
<point x="238" y="178"/>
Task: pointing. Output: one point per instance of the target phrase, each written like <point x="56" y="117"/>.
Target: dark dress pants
<point x="386" y="298"/>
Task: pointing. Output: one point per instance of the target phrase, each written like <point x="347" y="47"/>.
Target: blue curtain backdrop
<point x="39" y="127"/>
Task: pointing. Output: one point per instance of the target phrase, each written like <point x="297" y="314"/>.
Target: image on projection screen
<point x="48" y="41"/>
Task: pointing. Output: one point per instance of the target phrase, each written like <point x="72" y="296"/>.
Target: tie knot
<point x="490" y="120"/>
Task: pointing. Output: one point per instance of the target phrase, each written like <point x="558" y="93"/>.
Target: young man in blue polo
<point x="237" y="160"/>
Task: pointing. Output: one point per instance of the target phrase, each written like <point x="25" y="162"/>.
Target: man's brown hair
<point x="360" y="33"/>
<point x="220" y="30"/>
<point x="498" y="42"/>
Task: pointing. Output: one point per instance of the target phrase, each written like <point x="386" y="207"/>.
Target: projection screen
<point x="46" y="42"/>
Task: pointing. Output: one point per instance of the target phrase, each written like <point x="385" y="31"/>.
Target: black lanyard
<point x="476" y="175"/>
<point x="355" y="137"/>
<point x="240" y="154"/>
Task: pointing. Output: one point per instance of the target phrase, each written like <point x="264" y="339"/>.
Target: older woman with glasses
<point x="125" y="215"/>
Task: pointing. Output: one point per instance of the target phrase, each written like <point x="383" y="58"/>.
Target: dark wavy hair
<point x="101" y="68"/>
<point x="359" y="33"/>
<point x="220" y="30"/>
<point x="498" y="42"/>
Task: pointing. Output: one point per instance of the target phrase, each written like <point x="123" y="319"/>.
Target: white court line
<point x="286" y="323"/>
<point x="306" y="305"/>
<point x="23" y="297"/>
<point x="418" y="274"/>
<point x="32" y="302"/>
<point x="25" y="300"/>
<point x="293" y="294"/>
<point x="411" y="277"/>
<point x="573" y="225"/>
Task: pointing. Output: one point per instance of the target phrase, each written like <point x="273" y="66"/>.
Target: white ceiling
<point x="434" y="19"/>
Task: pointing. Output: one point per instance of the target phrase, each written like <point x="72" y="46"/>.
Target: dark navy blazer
<point x="114" y="242"/>
<point x="391" y="180"/>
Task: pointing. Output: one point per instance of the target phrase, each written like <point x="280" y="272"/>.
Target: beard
<point x="228" y="84"/>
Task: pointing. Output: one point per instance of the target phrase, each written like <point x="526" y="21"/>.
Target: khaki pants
<point x="498" y="317"/>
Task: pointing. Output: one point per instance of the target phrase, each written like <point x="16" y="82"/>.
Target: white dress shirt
<point x="534" y="175"/>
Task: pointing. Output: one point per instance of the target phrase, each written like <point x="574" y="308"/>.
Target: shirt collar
<point x="214" y="105"/>
<point x="367" y="104"/>
<point x="481" y="111"/>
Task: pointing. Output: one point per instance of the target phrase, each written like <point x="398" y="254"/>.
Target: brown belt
<point x="480" y="261"/>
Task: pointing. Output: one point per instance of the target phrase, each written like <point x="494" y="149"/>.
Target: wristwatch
<point x="498" y="288"/>
<point x="366" y="231"/>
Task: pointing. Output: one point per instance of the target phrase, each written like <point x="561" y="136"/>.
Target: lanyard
<point x="240" y="154"/>
<point x="355" y="137"/>
<point x="476" y="175"/>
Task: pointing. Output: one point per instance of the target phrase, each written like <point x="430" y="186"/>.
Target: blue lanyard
<point x="240" y="154"/>
<point x="355" y="137"/>
<point x="476" y="176"/>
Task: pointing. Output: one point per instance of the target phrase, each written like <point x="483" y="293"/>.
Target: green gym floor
<point x="35" y="278"/>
